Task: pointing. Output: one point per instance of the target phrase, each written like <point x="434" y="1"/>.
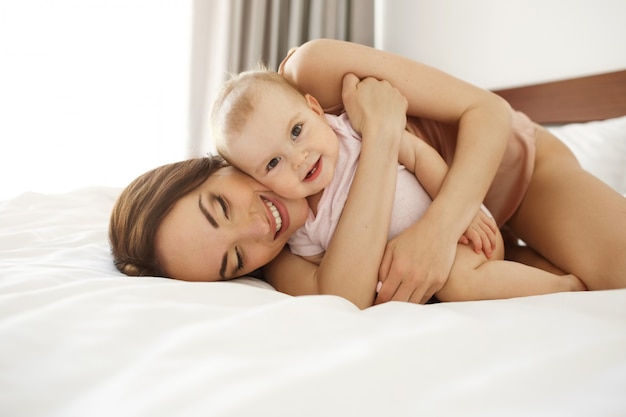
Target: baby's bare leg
<point x="474" y="277"/>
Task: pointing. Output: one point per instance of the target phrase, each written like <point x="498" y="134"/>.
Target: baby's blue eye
<point x="272" y="164"/>
<point x="295" y="132"/>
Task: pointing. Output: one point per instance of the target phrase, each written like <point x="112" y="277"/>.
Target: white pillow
<point x="600" y="146"/>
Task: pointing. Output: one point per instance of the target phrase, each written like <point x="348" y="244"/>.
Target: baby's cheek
<point x="291" y="191"/>
<point x="294" y="192"/>
<point x="278" y="186"/>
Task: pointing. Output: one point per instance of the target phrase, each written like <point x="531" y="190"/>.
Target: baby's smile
<point x="315" y="171"/>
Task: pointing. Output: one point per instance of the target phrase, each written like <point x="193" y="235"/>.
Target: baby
<point x="284" y="139"/>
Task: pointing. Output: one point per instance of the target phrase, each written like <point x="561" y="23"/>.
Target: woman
<point x="202" y="221"/>
<point x="538" y="190"/>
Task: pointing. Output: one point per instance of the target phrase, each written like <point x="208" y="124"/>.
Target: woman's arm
<point x="350" y="265"/>
<point x="419" y="267"/>
<point x="430" y="169"/>
<point x="484" y="119"/>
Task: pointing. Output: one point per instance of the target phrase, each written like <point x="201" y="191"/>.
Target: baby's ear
<point x="314" y="104"/>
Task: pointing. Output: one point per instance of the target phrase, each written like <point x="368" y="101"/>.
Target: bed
<point x="77" y="338"/>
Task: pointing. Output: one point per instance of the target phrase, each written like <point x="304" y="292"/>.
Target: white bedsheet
<point x="77" y="338"/>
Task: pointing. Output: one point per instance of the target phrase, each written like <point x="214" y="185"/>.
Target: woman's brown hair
<point x="142" y="206"/>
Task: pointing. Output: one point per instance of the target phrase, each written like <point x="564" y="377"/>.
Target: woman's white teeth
<point x="276" y="214"/>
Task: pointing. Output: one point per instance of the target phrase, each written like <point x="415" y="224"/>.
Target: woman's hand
<point x="373" y="105"/>
<point x="416" y="263"/>
<point x="380" y="114"/>
<point x="414" y="266"/>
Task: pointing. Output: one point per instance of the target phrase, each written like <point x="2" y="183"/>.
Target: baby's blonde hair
<point x="237" y="99"/>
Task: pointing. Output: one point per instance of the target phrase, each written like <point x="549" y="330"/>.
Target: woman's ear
<point x="314" y="104"/>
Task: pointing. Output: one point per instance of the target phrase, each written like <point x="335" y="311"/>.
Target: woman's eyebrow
<point x="211" y="220"/>
<point x="206" y="213"/>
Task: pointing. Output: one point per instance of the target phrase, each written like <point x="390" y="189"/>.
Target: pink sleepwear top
<point x="410" y="201"/>
<point x="511" y="181"/>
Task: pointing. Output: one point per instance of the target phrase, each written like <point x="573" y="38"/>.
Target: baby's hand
<point x="481" y="234"/>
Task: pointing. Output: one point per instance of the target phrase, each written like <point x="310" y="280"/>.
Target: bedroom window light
<point x="93" y="93"/>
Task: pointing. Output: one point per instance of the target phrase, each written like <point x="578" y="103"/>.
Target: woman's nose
<point x="254" y="227"/>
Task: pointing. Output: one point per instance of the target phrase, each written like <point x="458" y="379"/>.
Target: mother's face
<point x="227" y="227"/>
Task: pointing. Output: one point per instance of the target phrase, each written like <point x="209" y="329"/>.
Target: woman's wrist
<point x="382" y="139"/>
<point x="482" y="138"/>
<point x="449" y="217"/>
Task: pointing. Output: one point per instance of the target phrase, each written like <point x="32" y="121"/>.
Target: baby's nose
<point x="299" y="158"/>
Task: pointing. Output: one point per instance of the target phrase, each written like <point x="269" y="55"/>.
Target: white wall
<point x="92" y="92"/>
<point x="504" y="43"/>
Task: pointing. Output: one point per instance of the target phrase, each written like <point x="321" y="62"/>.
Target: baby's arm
<point x="430" y="170"/>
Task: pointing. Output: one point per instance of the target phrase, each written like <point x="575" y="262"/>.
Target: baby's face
<point x="286" y="145"/>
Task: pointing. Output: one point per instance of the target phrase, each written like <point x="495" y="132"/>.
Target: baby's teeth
<point x="276" y="214"/>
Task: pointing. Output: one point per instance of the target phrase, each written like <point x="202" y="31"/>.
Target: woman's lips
<point x="283" y="215"/>
<point x="315" y="171"/>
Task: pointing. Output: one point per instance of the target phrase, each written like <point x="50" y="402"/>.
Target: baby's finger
<point x="476" y="241"/>
<point x="487" y="246"/>
<point x="492" y="235"/>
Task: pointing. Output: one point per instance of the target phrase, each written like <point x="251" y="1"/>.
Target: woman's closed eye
<point x="239" y="259"/>
<point x="222" y="202"/>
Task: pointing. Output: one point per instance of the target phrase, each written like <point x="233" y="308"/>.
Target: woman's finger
<point x="387" y="291"/>
<point x="409" y="293"/>
<point x="385" y="266"/>
<point x="350" y="82"/>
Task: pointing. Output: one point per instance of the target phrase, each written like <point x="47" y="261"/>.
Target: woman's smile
<point x="278" y="215"/>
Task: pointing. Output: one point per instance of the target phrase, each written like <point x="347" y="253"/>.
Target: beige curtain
<point x="233" y="35"/>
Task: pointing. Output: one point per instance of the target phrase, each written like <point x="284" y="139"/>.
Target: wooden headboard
<point x="594" y="97"/>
